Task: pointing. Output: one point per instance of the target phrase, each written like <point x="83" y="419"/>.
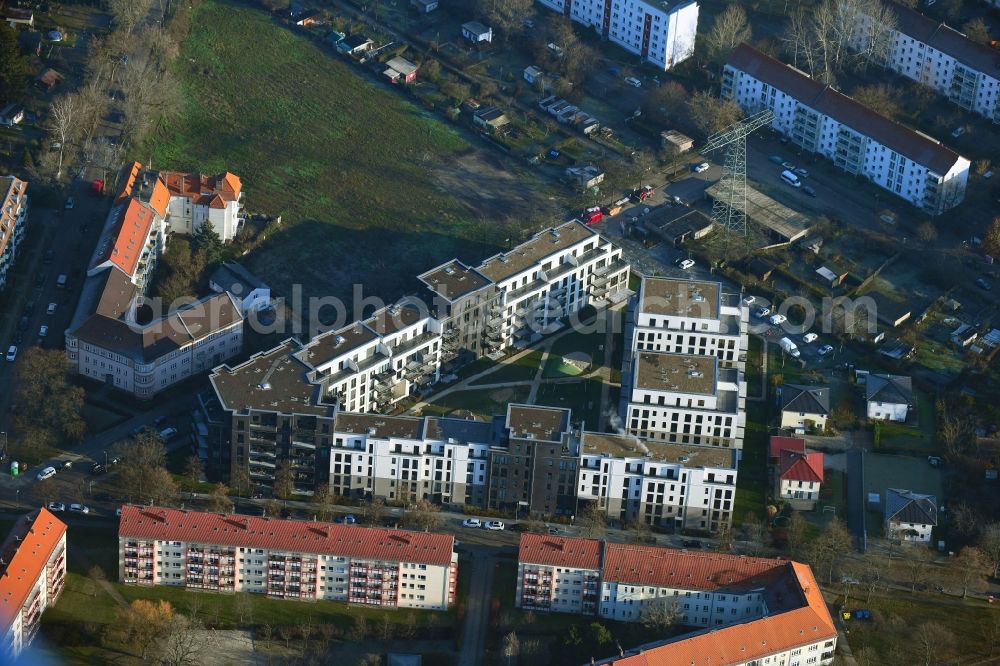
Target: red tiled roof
<point x="666" y="567"/>
<point x="756" y="639"/>
<point x="796" y="466"/>
<point x="921" y="149"/>
<point x="779" y="444"/>
<point x="159" y="198"/>
<point x="129" y="183"/>
<point x="163" y="524"/>
<point x="213" y="191"/>
<point x="947" y="40"/>
<point x="134" y="227"/>
<point x="560" y="552"/>
<point x="27" y="563"/>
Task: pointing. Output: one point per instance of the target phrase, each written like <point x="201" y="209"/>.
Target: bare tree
<point x="916" y="566"/>
<point x="758" y="535"/>
<point x="930" y="641"/>
<point x="989" y="544"/>
<point x="990" y="630"/>
<point x="593" y="522"/>
<point x="324" y="502"/>
<point x="730" y="29"/>
<point x="62" y="124"/>
<point x="504" y="15"/>
<point x="638" y="529"/>
<point x="425" y="515"/>
<point x="373" y="511"/>
<point x="711" y="114"/>
<point x="660" y="613"/>
<point x="218" y="499"/>
<point x="969" y="568"/>
<point x="126" y="14"/>
<point x="795" y="533"/>
<point x="242" y="607"/>
<point x="511" y="648"/>
<point x="880" y="98"/>
<point x="181" y="644"/>
<point x="991" y="241"/>
<point x="829" y="548"/>
<point x="386" y="628"/>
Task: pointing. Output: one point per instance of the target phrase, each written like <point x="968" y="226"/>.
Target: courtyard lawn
<point x="591" y="344"/>
<point x="372" y="189"/>
<point x="522" y="369"/>
<point x="582" y="397"/>
<point x="484" y="403"/>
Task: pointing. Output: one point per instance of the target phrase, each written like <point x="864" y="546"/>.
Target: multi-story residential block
<point x="13" y="216"/>
<point x="460" y="299"/>
<point x="286" y="559"/>
<point x="32" y="573"/>
<point x="558" y="574"/>
<point x="684" y="399"/>
<point x="931" y="53"/>
<point x="196" y="199"/>
<point x="660" y="34"/>
<point x="670" y="485"/>
<point x="689" y="317"/>
<point x="750" y="611"/>
<point x="854" y="138"/>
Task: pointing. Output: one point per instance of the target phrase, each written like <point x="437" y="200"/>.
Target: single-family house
<point x="11" y="115"/>
<point x="477" y="33"/>
<point x="681" y="143"/>
<point x="889" y="397"/>
<point x="585" y="177"/>
<point x="424" y="6"/>
<point x="245" y="288"/>
<point x="532" y="74"/>
<point x="16" y="16"/>
<point x="799" y="478"/>
<point x="804" y="406"/>
<point x="400" y="70"/>
<point x="491" y="119"/>
<point x="355" y="44"/>
<point x="48" y="79"/>
<point x="779" y="443"/>
<point x="909" y="516"/>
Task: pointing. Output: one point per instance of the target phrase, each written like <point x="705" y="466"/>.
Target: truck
<point x="790" y="347"/>
<point x="61" y="281"/>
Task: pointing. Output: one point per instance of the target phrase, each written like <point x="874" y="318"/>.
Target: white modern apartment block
<point x="286" y="559"/>
<point x="32" y="573"/>
<point x="196" y="199"/>
<point x="821" y="120"/>
<point x="658" y="32"/>
<point x="689" y="317"/>
<point x="670" y="485"/>
<point x="684" y="399"/>
<point x="557" y="272"/>
<point x="940" y="57"/>
<point x="408" y="458"/>
<point x="13" y="213"/>
<point x="558" y="574"/>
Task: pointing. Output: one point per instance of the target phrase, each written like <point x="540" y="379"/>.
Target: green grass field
<point x="484" y="403"/>
<point x="522" y="369"/>
<point x="372" y="189"/>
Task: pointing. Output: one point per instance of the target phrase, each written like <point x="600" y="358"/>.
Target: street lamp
<point x="17" y="498"/>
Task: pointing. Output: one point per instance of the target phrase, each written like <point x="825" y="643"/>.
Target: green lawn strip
<point x="588" y="343"/>
<point x="751" y="481"/>
<point x="754" y="360"/>
<point x="95" y="544"/>
<point x="484" y="403"/>
<point x="522" y="369"/>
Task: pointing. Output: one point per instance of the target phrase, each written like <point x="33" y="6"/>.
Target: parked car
<point x="168" y="433"/>
<point x="349" y="519"/>
<point x="749" y="300"/>
<point x="777" y="319"/>
<point x="788" y="165"/>
<point x="494" y="525"/>
<point x="46" y="473"/>
<point x="686" y="264"/>
<point x="51" y="310"/>
<point x="934" y="461"/>
<point x="959" y="131"/>
<point x="802" y="172"/>
<point x="634" y="82"/>
<point x="691" y="543"/>
<point x="49" y="256"/>
<point x="983" y="284"/>
<point x="825" y="349"/>
<point x="43" y="330"/>
<point x="776" y="159"/>
<point x="98" y="468"/>
<point x="69" y="203"/>
<point x="472" y="522"/>
<point x="79" y="508"/>
<point x="809" y="337"/>
<point x="55" y="507"/>
<point x="809" y="191"/>
<point x="66" y="464"/>
<point x="701" y="167"/>
<point x="11" y="352"/>
<point x="763" y="312"/>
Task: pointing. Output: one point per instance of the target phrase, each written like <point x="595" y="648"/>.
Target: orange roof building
<point x="13" y="218"/>
<point x="32" y="571"/>
<point x="287" y="559"/>
<point x="740" y="609"/>
<point x="196" y="199"/>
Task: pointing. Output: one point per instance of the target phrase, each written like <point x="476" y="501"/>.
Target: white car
<point x="634" y="82"/>
<point x="43" y="330"/>
<point x="168" y="433"/>
<point x="802" y="172"/>
<point x="11" y="352"/>
<point x="69" y="203"/>
<point x="809" y="337"/>
<point x="749" y="300"/>
<point x="825" y="349"/>
<point x="51" y="309"/>
<point x="778" y="319"/>
<point x="56" y="507"/>
<point x="686" y="264"/>
<point x="763" y="312"/>
<point x="959" y="131"/>
<point x="494" y="525"/>
<point x="701" y="167"/>
<point x="46" y="473"/>
<point x="472" y="522"/>
<point x="79" y="508"/>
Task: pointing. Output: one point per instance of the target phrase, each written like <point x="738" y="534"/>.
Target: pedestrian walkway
<point x="477" y="608"/>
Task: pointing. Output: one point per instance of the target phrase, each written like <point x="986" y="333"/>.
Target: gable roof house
<point x="909" y="516"/>
<point x="778" y="444"/>
<point x="889" y="397"/>
<point x="196" y="199"/>
<point x="491" y="119"/>
<point x="355" y="44"/>
<point x="48" y="79"/>
<point x="799" y="478"/>
<point x="11" y="114"/>
<point x="477" y="33"/>
<point x="400" y="69"/>
<point x="804" y="406"/>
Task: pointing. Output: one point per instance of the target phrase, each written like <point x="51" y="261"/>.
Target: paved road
<point x="477" y="611"/>
<point x="856" y="496"/>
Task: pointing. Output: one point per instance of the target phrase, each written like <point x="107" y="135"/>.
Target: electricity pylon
<point x="729" y="208"/>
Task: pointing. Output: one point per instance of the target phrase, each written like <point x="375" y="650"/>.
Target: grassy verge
<point x="484" y="403"/>
<point x="754" y="366"/>
<point x="582" y="397"/>
<point x="751" y="482"/>
<point x="522" y="369"/>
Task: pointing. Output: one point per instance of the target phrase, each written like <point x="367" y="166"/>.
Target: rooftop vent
<point x="264" y="386"/>
<point x="449" y="270"/>
<point x="338" y="340"/>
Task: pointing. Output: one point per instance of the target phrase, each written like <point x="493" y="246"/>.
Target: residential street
<point x="477" y="610"/>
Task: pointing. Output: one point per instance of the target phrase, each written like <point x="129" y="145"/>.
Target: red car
<point x="592" y="216"/>
<point x="97" y="187"/>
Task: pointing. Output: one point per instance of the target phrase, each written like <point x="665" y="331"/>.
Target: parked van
<point x="61" y="281"/>
<point x="791" y="178"/>
<point x="790" y="347"/>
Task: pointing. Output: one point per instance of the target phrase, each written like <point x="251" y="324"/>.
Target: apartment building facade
<point x="689" y="317"/>
<point x="32" y="575"/>
<point x="668" y="485"/>
<point x="745" y="610"/>
<point x="13" y="221"/>
<point x="197" y="199"/>
<point x="556" y="574"/>
<point x="658" y="32"/>
<point x="460" y="299"/>
<point x="854" y="138"/>
<point x="684" y="399"/>
<point x="286" y="559"/>
<point x="942" y="58"/>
